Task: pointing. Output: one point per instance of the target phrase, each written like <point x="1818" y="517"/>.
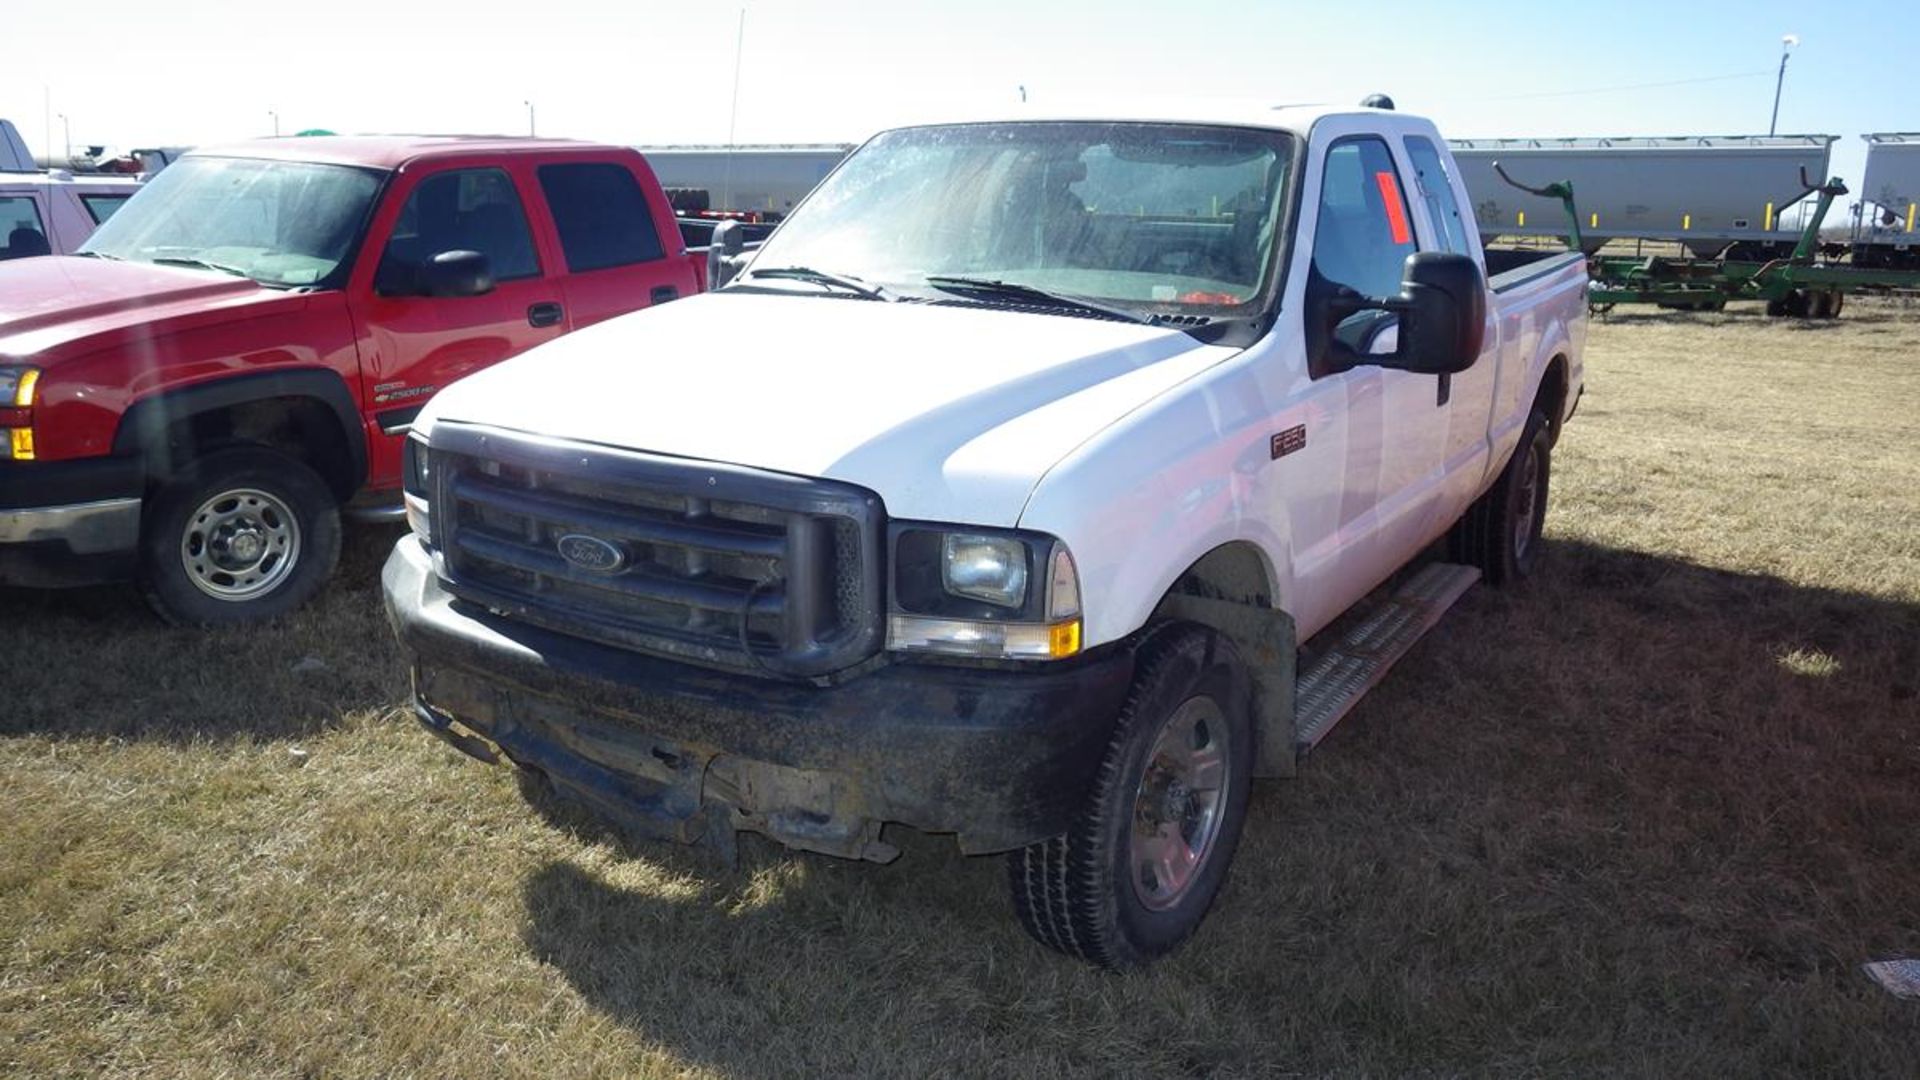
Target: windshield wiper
<point x="1013" y="290"/>
<point x="821" y="277"/>
<point x="101" y="255"/>
<point x="197" y="264"/>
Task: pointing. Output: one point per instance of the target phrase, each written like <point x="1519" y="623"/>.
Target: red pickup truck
<point x="232" y="361"/>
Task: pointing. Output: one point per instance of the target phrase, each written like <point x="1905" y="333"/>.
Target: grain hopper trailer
<point x="1713" y="194"/>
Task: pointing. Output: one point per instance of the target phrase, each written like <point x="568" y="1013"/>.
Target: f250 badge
<point x="592" y="554"/>
<point x="1286" y="442"/>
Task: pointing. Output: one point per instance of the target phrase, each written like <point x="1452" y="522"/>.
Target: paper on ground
<point x="1901" y="978"/>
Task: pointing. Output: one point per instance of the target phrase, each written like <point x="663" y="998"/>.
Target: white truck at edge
<point x="1161" y="449"/>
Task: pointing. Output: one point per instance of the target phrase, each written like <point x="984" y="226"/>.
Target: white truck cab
<point x="53" y="213"/>
<point x="1036" y="482"/>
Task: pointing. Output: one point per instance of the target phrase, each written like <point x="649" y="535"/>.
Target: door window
<point x="1363" y="234"/>
<point x="1436" y="190"/>
<point x="462" y="210"/>
<point x="21" y="233"/>
<point x="601" y="214"/>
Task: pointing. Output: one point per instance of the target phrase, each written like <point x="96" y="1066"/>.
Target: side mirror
<point x="723" y="253"/>
<point x="1443" y="314"/>
<point x="455" y="273"/>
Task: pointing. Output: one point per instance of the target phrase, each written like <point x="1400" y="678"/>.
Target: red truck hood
<point x="59" y="306"/>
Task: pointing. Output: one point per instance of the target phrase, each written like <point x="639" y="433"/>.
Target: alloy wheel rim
<point x="240" y="545"/>
<point x="1179" y="805"/>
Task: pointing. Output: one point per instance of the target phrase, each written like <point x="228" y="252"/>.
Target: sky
<point x="170" y="72"/>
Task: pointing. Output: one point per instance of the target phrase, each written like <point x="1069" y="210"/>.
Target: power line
<point x="1631" y="86"/>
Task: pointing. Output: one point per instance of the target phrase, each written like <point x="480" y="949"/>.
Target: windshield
<point x="1152" y="218"/>
<point x="281" y="223"/>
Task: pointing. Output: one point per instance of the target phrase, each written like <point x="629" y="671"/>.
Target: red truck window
<point x="464" y="210"/>
<point x="602" y="215"/>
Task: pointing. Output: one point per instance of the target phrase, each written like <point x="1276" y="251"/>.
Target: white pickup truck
<point x="1040" y="481"/>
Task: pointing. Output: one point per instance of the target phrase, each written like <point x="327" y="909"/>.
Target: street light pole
<point x="66" y="130"/>
<point x="276" y="122"/>
<point x="1787" y="42"/>
<point x="529" y="106"/>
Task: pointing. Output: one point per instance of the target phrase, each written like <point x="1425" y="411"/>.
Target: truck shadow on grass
<point x="1643" y="816"/>
<point x="95" y="663"/>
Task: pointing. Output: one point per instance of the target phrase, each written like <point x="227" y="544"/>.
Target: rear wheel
<point x="1136" y="873"/>
<point x="1500" y="532"/>
<point x="237" y="536"/>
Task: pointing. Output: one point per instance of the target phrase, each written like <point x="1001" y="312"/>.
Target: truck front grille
<point x="715" y="564"/>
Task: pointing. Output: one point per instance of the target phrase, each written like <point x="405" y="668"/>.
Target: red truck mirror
<point x="456" y="273"/>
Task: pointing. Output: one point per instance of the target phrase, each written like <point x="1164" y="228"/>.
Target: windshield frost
<point x="1154" y="217"/>
<point x="280" y="223"/>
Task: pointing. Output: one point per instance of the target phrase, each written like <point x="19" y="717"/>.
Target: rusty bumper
<point x="1001" y="757"/>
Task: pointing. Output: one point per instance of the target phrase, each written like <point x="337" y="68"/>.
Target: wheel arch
<point x="309" y="414"/>
<point x="1232" y="590"/>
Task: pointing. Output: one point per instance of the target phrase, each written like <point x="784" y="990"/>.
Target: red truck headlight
<point x="18" y="387"/>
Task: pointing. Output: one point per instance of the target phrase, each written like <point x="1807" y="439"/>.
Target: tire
<point x="1500" y="532"/>
<point x="1088" y="892"/>
<point x="238" y="536"/>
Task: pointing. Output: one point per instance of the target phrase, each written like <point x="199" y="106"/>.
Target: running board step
<point x="1367" y="648"/>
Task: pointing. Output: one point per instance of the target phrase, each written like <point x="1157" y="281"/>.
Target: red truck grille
<point x="714" y="564"/>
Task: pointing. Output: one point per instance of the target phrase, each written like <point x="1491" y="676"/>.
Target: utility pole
<point x="529" y="106"/>
<point x="276" y="122"/>
<point x="1787" y="42"/>
<point x="733" y="115"/>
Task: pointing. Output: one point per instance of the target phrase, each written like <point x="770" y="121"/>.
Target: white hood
<point x="949" y="413"/>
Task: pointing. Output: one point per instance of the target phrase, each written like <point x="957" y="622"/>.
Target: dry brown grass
<point x="1646" y="817"/>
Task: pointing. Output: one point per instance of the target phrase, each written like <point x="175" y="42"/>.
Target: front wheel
<point x="1137" y="871"/>
<point x="238" y="536"/>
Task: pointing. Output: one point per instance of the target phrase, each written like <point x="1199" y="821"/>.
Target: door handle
<point x="663" y="293"/>
<point x="546" y="313"/>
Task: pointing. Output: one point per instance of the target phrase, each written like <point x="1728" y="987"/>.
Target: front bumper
<point x="1002" y="757"/>
<point x="68" y="523"/>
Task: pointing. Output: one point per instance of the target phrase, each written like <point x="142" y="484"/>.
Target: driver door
<point x="1396" y="421"/>
<point x="413" y="345"/>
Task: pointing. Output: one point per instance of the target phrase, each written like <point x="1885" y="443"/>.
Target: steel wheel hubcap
<point x="240" y="544"/>
<point x="1179" y="806"/>
<point x="1524" y="503"/>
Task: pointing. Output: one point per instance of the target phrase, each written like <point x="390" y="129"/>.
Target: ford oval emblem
<point x="592" y="554"/>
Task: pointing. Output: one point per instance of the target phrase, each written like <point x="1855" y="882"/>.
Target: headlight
<point x="990" y="568"/>
<point x="415" y="484"/>
<point x="1000" y="594"/>
<point x="17" y="385"/>
<point x="18" y="389"/>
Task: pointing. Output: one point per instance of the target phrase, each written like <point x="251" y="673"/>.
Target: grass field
<point x="1645" y="817"/>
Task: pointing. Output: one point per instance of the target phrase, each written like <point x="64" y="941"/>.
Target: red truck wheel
<point x="238" y="536"/>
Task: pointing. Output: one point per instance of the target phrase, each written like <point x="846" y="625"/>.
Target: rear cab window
<point x="22" y="234"/>
<point x="1435" y="187"/>
<point x="601" y="214"/>
<point x="102" y="207"/>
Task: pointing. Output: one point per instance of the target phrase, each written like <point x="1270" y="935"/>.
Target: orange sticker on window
<point x="1396" y="207"/>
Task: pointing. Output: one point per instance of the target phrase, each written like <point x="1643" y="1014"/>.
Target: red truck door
<point x="415" y="344"/>
<point x="621" y="248"/>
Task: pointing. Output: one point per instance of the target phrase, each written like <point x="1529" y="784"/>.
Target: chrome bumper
<point x="92" y="528"/>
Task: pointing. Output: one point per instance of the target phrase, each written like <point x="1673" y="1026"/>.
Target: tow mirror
<point x="723" y="253"/>
<point x="456" y="273"/>
<point x="1443" y="314"/>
